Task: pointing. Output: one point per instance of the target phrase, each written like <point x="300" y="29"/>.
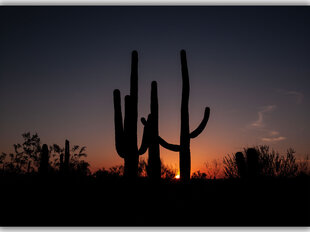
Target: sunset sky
<point x="250" y="65"/>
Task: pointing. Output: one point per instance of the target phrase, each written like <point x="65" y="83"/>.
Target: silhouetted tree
<point x="29" y="150"/>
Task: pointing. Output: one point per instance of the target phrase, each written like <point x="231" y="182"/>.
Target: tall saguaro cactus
<point x="126" y="134"/>
<point x="151" y="135"/>
<point x="44" y="160"/>
<point x="186" y="135"/>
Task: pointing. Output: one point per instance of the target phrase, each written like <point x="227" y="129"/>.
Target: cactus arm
<point x="169" y="146"/>
<point x="118" y="124"/>
<point x="146" y="135"/>
<point x="202" y="125"/>
<point x="162" y="142"/>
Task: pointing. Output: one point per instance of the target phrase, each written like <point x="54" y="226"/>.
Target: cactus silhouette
<point x="186" y="135"/>
<point x="151" y="136"/>
<point x="126" y="135"/>
<point x="67" y="157"/>
<point x="43" y="170"/>
<point x="252" y="162"/>
<point x="61" y="163"/>
<point x="241" y="165"/>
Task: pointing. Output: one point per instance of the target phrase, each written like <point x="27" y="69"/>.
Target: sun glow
<point x="177" y="176"/>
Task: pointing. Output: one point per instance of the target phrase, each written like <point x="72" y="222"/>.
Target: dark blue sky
<point x="60" y="65"/>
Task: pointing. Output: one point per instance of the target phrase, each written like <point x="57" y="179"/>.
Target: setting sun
<point x="177" y="176"/>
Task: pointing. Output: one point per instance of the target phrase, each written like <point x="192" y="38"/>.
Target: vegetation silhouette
<point x="152" y="137"/>
<point x="126" y="136"/>
<point x="262" y="162"/>
<point x="186" y="135"/>
<point x="43" y="161"/>
<point x="260" y="187"/>
<point x="277" y="197"/>
<point x="126" y="133"/>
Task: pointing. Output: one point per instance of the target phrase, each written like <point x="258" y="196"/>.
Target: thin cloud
<point x="260" y="121"/>
<point x="273" y="133"/>
<point x="298" y="95"/>
<point x="275" y="139"/>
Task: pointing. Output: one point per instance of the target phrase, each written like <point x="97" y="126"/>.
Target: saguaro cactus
<point x="126" y="136"/>
<point x="252" y="162"/>
<point x="186" y="135"/>
<point x="43" y="170"/>
<point x="151" y="136"/>
<point x="61" y="163"/>
<point x="241" y="165"/>
<point x="67" y="157"/>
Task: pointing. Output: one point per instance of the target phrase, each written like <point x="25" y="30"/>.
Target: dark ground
<point x="89" y="202"/>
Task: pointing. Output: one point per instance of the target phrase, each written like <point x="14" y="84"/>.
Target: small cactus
<point x="252" y="162"/>
<point x="67" y="157"/>
<point x="61" y="163"/>
<point x="43" y="169"/>
<point x="241" y="165"/>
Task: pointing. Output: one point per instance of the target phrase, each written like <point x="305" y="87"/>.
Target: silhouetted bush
<point x="214" y="169"/>
<point x="199" y="175"/>
<point x="261" y="161"/>
<point x="26" y="157"/>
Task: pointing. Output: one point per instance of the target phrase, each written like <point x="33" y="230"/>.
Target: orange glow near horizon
<point x="177" y="176"/>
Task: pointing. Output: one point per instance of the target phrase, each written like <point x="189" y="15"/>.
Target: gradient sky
<point x="250" y="65"/>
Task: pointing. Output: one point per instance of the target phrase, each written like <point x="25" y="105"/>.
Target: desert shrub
<point x="167" y="172"/>
<point x="26" y="157"/>
<point x="269" y="163"/>
<point x="199" y="175"/>
<point x="214" y="169"/>
<point x="230" y="166"/>
<point x="303" y="166"/>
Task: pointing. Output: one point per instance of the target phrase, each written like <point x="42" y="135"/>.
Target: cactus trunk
<point x="126" y="135"/>
<point x="241" y="166"/>
<point x="186" y="135"/>
<point x="154" y="166"/>
<point x="185" y="155"/>
<point x="44" y="160"/>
